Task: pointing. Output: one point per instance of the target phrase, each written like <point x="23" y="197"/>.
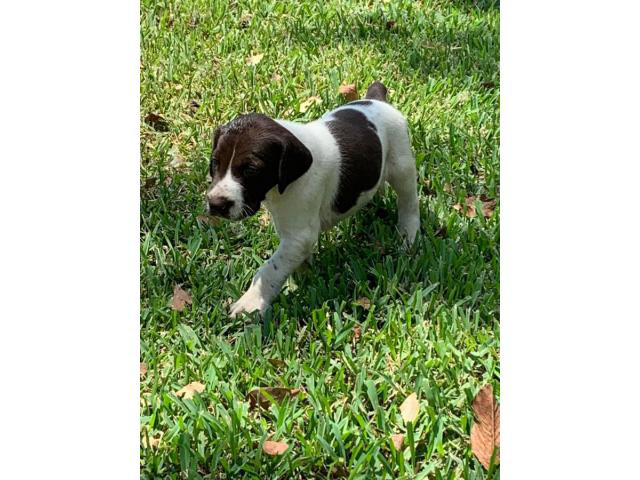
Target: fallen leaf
<point x="154" y="440"/>
<point x="259" y="396"/>
<point x="208" y="219"/>
<point x="364" y="302"/>
<point x="485" y="431"/>
<point x="274" y="448"/>
<point x="398" y="440"/>
<point x="245" y="21"/>
<point x="488" y="85"/>
<point x="194" y="106"/>
<point x="255" y="59"/>
<point x="469" y="209"/>
<point x="157" y="122"/>
<point x="180" y="299"/>
<point x="356" y="334"/>
<point x="304" y="106"/>
<point x="264" y="218"/>
<point x="391" y="24"/>
<point x="143" y="369"/>
<point x="150" y="183"/>
<point x="349" y="92"/>
<point x="410" y="408"/>
<point x="188" y="390"/>
<point x="276" y="362"/>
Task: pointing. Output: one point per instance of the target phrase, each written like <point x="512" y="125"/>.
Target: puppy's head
<point x="250" y="156"/>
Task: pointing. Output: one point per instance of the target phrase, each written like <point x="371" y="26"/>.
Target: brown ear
<point x="294" y="162"/>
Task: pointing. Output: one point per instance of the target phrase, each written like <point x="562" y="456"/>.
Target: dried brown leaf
<point x="357" y="333"/>
<point x="194" y="106"/>
<point x="364" y="302"/>
<point x="255" y="59"/>
<point x="276" y="362"/>
<point x="154" y="440"/>
<point x="398" y="440"/>
<point x="469" y="208"/>
<point x="274" y="448"/>
<point x="245" y="21"/>
<point x="485" y="431"/>
<point x="304" y="106"/>
<point x="143" y="369"/>
<point x="410" y="408"/>
<point x="188" y="390"/>
<point x="264" y="218"/>
<point x="391" y="24"/>
<point x="157" y="122"/>
<point x="180" y="299"/>
<point x="349" y="92"/>
<point x="260" y="396"/>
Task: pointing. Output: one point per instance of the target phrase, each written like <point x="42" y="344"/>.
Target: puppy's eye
<point x="251" y="170"/>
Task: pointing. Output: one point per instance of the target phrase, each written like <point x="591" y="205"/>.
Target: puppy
<point x="310" y="176"/>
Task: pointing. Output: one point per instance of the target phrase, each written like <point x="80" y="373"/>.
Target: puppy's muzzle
<point x="220" y="206"/>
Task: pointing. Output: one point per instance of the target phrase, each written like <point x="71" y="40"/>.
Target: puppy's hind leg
<point x="403" y="178"/>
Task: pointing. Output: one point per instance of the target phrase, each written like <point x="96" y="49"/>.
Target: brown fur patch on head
<point x="261" y="154"/>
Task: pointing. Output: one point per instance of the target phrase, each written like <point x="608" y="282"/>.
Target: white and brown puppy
<point x="310" y="176"/>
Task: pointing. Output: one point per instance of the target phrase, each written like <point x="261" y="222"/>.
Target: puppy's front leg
<point x="292" y="251"/>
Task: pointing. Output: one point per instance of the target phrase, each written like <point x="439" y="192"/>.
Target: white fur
<point x="230" y="188"/>
<point x="304" y="209"/>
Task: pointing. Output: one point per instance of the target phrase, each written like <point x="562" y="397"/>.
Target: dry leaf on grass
<point x="357" y="333"/>
<point x="410" y="408"/>
<point x="276" y="362"/>
<point x="180" y="299"/>
<point x="485" y="431"/>
<point x="398" y="440"/>
<point x="264" y="218"/>
<point x="304" y="106"/>
<point x="194" y="106"/>
<point x="209" y="220"/>
<point x="143" y="369"/>
<point x="349" y="92"/>
<point x="469" y="209"/>
<point x="154" y="440"/>
<point x="260" y="396"/>
<point x="274" y="448"/>
<point x="188" y="390"/>
<point x="157" y="122"/>
<point x="364" y="302"/>
<point x="255" y="59"/>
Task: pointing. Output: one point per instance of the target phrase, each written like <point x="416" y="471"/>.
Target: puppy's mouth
<point x="245" y="212"/>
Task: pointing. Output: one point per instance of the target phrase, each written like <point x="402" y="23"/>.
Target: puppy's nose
<point x="220" y="206"/>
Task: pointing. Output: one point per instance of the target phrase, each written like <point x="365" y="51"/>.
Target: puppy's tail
<point x="377" y="91"/>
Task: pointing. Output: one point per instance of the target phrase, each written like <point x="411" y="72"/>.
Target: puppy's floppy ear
<point x="294" y="161"/>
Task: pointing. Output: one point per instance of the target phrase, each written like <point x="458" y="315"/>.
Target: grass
<point x="433" y="323"/>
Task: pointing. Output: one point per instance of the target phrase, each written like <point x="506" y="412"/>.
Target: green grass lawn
<point x="432" y="326"/>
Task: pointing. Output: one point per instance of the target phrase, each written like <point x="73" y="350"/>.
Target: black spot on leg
<point x="361" y="156"/>
<point x="275" y="267"/>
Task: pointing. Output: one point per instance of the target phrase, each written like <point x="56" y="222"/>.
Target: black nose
<point x="220" y="206"/>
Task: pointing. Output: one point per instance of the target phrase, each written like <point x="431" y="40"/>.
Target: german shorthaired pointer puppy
<point x="310" y="176"/>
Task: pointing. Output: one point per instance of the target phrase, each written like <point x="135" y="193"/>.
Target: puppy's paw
<point x="408" y="230"/>
<point x="249" y="302"/>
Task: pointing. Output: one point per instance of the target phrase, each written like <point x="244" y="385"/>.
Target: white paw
<point x="409" y="229"/>
<point x="249" y="302"/>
